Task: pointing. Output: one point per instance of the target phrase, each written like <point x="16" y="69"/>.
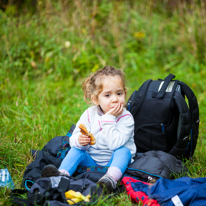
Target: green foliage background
<point x="48" y="50"/>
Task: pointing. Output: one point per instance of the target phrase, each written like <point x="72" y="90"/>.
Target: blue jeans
<point x="120" y="158"/>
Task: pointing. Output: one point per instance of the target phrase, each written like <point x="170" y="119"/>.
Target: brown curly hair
<point x="93" y="85"/>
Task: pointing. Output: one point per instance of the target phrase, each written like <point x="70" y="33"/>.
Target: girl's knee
<point x="125" y="151"/>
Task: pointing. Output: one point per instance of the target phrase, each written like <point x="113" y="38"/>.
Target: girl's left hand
<point x="116" y="111"/>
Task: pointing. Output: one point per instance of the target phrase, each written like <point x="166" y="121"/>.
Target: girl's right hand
<point x="84" y="140"/>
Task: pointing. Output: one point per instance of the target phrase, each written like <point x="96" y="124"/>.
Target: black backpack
<point x="163" y="119"/>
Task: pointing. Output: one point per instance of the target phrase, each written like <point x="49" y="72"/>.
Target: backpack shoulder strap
<point x="193" y="104"/>
<point x="137" y="98"/>
<point x="189" y="122"/>
<point x="194" y="112"/>
<point x="185" y="119"/>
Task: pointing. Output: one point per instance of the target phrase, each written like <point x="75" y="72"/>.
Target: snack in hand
<point x="84" y="131"/>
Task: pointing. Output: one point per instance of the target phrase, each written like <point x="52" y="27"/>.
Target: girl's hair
<point x="93" y="85"/>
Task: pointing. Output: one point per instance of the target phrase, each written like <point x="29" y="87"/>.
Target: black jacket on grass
<point x="156" y="164"/>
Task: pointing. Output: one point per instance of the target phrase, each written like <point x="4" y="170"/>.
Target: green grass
<point x="46" y="55"/>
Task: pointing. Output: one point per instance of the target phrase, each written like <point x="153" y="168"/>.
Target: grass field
<point x="45" y="56"/>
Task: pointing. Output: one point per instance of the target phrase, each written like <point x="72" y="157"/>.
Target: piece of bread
<point x="84" y="131"/>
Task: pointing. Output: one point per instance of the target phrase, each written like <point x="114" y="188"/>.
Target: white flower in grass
<point x="67" y="44"/>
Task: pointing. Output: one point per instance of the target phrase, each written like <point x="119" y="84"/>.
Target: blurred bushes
<point x="68" y="39"/>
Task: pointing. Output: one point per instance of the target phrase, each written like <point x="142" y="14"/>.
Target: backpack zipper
<point x="163" y="128"/>
<point x="128" y="105"/>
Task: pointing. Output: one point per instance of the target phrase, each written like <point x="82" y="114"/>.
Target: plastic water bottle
<point x="5" y="179"/>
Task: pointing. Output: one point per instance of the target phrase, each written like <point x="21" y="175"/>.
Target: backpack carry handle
<point x="167" y="80"/>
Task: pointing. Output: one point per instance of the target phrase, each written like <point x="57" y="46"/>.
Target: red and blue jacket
<point x="165" y="192"/>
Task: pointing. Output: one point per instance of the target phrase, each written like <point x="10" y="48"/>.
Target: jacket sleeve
<point x="84" y="119"/>
<point x="117" y="131"/>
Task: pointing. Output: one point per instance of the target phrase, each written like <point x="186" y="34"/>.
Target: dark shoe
<point x="107" y="183"/>
<point x="49" y="171"/>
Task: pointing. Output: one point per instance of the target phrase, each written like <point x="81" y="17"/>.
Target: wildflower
<point x="139" y="35"/>
<point x="67" y="44"/>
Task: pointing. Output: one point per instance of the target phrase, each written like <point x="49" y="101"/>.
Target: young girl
<point x="110" y="123"/>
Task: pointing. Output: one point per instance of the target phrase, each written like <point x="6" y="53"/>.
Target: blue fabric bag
<point x="5" y="179"/>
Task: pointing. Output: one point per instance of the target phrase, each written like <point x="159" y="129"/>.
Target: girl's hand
<point x="116" y="111"/>
<point x="84" y="140"/>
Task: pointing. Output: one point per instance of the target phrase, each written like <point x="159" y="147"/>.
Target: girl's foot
<point x="107" y="183"/>
<point x="51" y="170"/>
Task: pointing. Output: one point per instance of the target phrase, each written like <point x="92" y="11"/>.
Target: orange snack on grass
<point x="84" y="131"/>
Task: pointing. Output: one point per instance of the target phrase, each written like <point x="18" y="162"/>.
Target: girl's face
<point x="111" y="94"/>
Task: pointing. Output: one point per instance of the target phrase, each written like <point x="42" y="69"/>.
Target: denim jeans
<point x="121" y="157"/>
